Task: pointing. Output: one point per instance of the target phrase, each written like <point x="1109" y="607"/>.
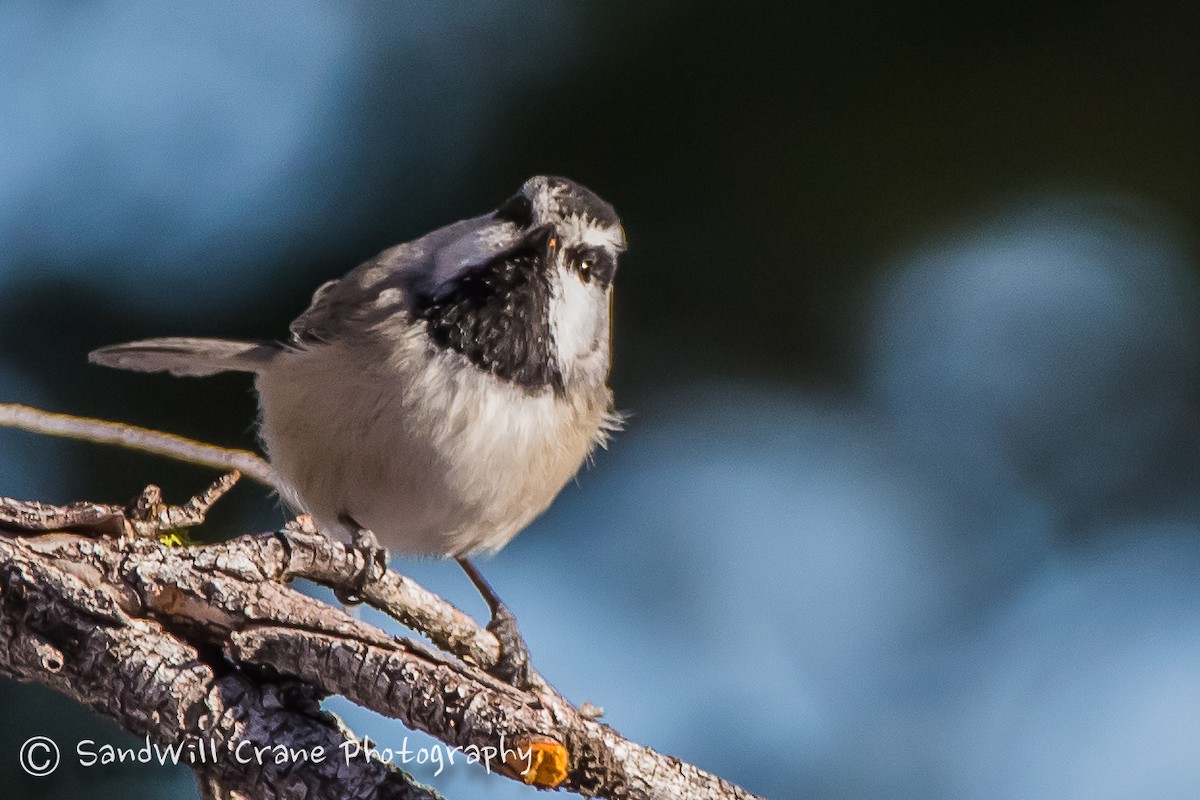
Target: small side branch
<point x="132" y="437"/>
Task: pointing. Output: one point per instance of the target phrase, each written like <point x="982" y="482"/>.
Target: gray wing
<point x="367" y="295"/>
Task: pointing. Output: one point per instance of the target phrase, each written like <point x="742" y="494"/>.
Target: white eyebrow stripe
<point x="576" y="228"/>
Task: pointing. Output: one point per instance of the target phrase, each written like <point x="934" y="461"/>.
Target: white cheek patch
<point x="578" y="320"/>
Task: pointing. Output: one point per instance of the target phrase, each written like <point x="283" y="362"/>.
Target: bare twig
<point x="100" y="431"/>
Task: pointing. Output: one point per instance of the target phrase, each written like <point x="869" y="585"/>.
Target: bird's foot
<point x="513" y="664"/>
<point x="375" y="562"/>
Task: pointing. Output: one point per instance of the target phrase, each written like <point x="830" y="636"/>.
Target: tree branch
<point x="185" y="644"/>
<point x="70" y="620"/>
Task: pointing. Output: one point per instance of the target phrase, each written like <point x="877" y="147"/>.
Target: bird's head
<point x="524" y="292"/>
<point x="585" y="235"/>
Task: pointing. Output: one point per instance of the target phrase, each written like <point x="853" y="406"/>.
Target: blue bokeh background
<point x="908" y="505"/>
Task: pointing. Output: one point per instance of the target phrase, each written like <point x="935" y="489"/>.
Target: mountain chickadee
<point x="440" y="395"/>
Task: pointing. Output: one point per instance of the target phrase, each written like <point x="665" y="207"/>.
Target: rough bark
<point x="210" y="643"/>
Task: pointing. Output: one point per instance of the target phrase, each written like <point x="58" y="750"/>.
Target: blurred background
<point x="908" y="505"/>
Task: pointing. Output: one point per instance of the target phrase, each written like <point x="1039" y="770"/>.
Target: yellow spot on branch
<point x="176" y="538"/>
<point x="547" y="764"/>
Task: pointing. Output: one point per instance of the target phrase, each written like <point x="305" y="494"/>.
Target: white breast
<point x="430" y="453"/>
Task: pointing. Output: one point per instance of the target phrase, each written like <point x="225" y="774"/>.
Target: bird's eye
<point x="584" y="267"/>
<point x="588" y="263"/>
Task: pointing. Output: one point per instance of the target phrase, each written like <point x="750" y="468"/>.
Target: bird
<point x="437" y="398"/>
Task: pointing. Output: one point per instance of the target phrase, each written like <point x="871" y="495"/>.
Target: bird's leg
<point x="513" y="664"/>
<point x="374" y="556"/>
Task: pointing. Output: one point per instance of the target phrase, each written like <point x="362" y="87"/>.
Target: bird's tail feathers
<point x="186" y="356"/>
